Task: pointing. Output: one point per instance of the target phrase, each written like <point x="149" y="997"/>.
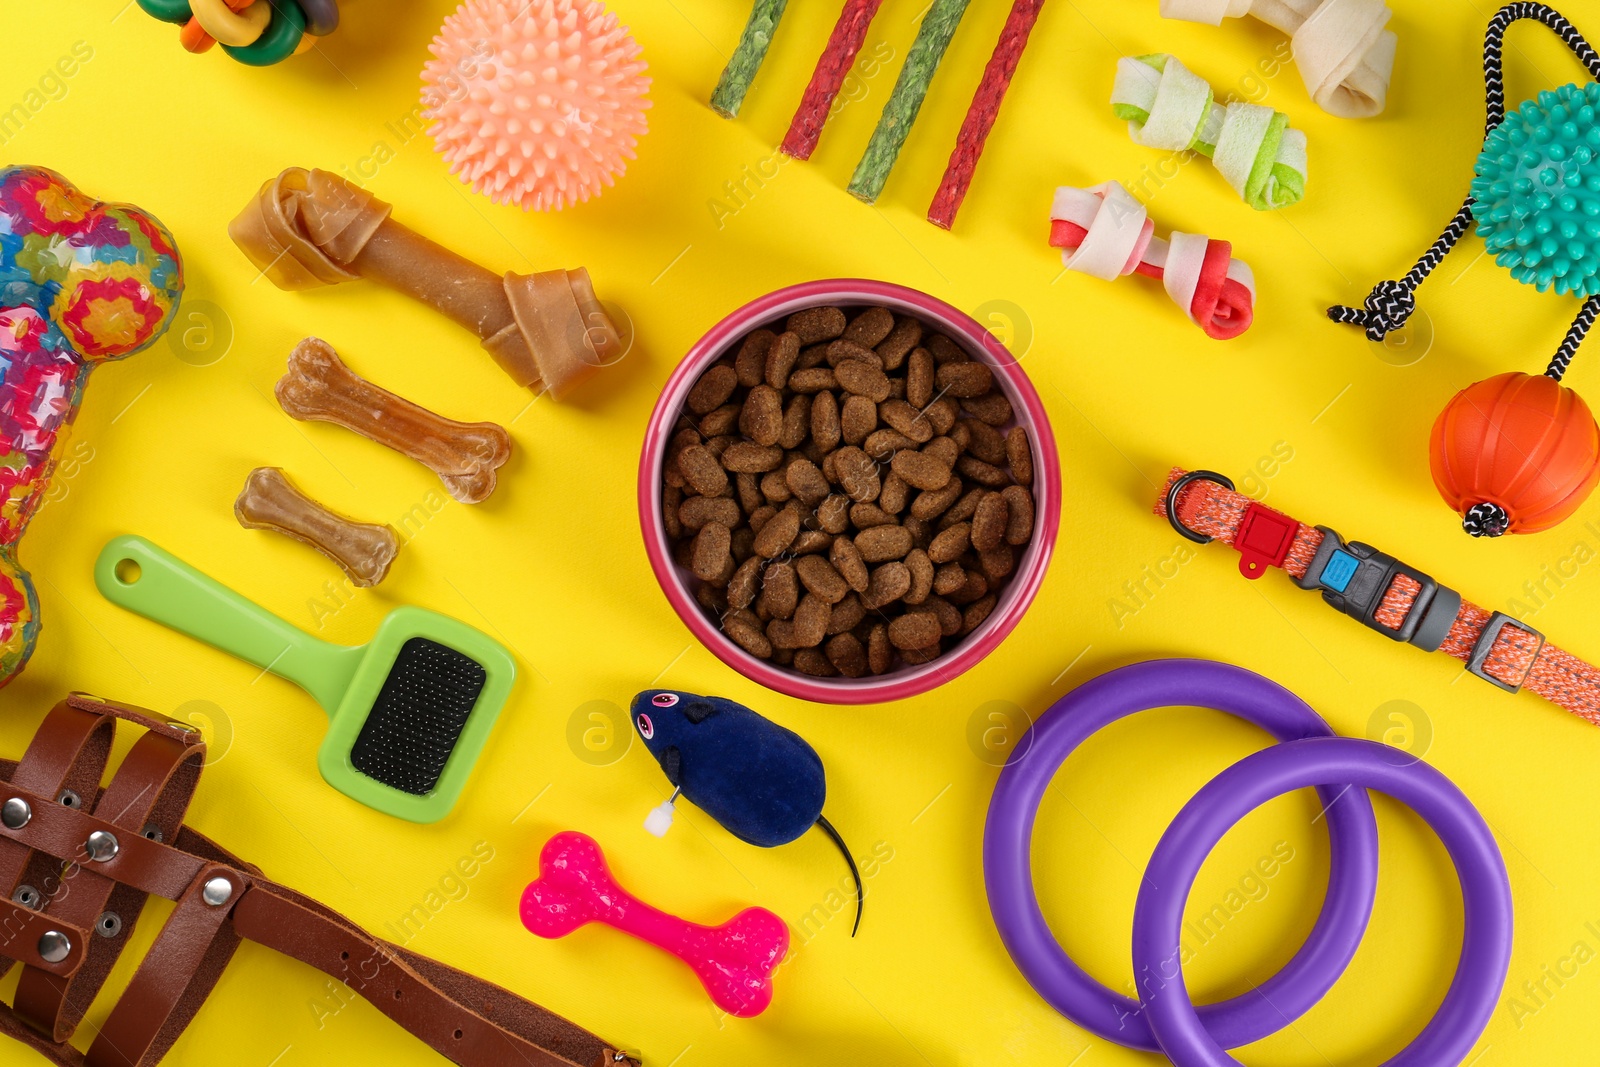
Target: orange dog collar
<point x="1391" y="597"/>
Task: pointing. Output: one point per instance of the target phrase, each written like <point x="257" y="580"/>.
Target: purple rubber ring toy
<point x="1008" y="870"/>
<point x="1485" y="889"/>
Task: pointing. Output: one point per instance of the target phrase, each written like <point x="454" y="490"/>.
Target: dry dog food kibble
<point x="849" y="490"/>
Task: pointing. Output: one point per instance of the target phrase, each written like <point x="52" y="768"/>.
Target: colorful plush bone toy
<point x="1344" y="52"/>
<point x="1519" y="453"/>
<point x="81" y="282"/>
<point x="1105" y="232"/>
<point x="1167" y="106"/>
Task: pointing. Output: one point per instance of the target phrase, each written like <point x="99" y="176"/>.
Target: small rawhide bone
<point x="269" y="501"/>
<point x="1107" y="233"/>
<point x="1344" y="53"/>
<point x="309" y="228"/>
<point x="465" y="455"/>
<point x="1252" y="146"/>
<point x="733" y="961"/>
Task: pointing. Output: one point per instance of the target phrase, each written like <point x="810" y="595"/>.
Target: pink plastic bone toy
<point x="733" y="961"/>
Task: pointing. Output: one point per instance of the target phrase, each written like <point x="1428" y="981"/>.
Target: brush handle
<point x="169" y="591"/>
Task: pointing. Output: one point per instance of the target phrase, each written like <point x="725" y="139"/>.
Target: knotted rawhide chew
<point x="1344" y="53"/>
<point x="1107" y="233"/>
<point x="1168" y="106"/>
<point x="310" y="228"/>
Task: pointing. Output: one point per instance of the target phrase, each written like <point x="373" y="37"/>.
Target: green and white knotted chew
<point x="1168" y="106"/>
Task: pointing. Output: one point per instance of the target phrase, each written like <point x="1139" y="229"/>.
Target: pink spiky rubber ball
<point x="535" y="102"/>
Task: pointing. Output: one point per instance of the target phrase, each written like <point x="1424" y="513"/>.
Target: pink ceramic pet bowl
<point x="904" y="681"/>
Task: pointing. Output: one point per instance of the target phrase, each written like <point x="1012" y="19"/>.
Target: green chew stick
<point x="938" y="26"/>
<point x="748" y="57"/>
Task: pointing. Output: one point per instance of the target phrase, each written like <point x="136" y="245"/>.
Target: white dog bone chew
<point x="1345" y="54"/>
<point x="1167" y="106"/>
<point x="1107" y="233"/>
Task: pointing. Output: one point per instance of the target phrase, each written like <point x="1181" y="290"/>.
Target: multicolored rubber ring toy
<point x="279" y="41"/>
<point x="1008" y="834"/>
<point x="258" y="34"/>
<point x="1485" y="890"/>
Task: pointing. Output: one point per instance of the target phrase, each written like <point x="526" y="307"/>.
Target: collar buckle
<point x="1484" y="645"/>
<point x="1354" y="577"/>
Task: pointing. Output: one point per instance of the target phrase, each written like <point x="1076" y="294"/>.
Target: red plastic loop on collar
<point x="1263" y="539"/>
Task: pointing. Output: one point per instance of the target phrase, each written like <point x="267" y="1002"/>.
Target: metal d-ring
<point x="1178" y="487"/>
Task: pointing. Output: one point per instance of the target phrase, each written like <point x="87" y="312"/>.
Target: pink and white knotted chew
<point x="1344" y="53"/>
<point x="1105" y="232"/>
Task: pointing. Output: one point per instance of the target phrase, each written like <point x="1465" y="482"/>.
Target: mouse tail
<point x="827" y="828"/>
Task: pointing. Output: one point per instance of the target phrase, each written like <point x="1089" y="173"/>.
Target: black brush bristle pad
<point x="419" y="714"/>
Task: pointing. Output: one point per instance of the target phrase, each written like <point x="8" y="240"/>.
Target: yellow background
<point x="553" y="565"/>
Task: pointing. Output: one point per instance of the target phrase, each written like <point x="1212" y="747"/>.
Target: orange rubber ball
<point x="1516" y="453"/>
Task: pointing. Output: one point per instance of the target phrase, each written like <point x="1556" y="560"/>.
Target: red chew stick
<point x="981" y="115"/>
<point x="832" y="66"/>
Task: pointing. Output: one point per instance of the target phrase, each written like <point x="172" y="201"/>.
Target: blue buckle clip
<point x="1353" y="578"/>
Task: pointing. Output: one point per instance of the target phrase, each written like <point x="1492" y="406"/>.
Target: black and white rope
<point x="1486" y="520"/>
<point x="1391" y="303"/>
<point x="1575" y="335"/>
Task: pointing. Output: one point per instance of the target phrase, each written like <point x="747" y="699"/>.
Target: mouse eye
<point x="647" y="729"/>
<point x="664" y="700"/>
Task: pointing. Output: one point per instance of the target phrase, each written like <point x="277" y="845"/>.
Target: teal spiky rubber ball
<point x="1536" y="191"/>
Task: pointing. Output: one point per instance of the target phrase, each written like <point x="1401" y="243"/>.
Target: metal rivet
<point x="15" y="813"/>
<point x="217" y="891"/>
<point x="108" y="925"/>
<point x="26" y="895"/>
<point x="70" y="799"/>
<point x="54" y="946"/>
<point x="152" y="831"/>
<point x="101" y="846"/>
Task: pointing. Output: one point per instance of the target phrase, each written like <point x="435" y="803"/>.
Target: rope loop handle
<point x="1391" y="303"/>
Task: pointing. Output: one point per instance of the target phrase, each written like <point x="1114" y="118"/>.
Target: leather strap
<point x="148" y="795"/>
<point x="180" y="954"/>
<point x="389" y="978"/>
<point x="468" y="1020"/>
<point x="65" y="758"/>
<point x="1515" y="657"/>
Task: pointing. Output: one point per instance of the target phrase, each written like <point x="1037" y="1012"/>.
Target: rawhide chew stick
<point x="1168" y="106"/>
<point x="910" y="89"/>
<point x="1344" y="53"/>
<point x="269" y="501"/>
<point x="981" y="115"/>
<point x="1107" y="233"/>
<point x="733" y="961"/>
<point x="465" y="455"/>
<point x="747" y="57"/>
<point x="309" y="228"/>
<point x="832" y="66"/>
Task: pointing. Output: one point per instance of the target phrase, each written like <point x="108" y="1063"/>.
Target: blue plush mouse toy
<point x="761" y="782"/>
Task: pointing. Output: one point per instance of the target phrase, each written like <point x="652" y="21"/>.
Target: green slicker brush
<point x="938" y="26"/>
<point x="409" y="711"/>
<point x="748" y="57"/>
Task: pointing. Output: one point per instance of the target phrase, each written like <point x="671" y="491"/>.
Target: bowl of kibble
<point x="849" y="491"/>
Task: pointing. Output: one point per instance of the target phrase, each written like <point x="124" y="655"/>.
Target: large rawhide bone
<point x="733" y="961"/>
<point x="306" y="229"/>
<point x="269" y="501"/>
<point x="1344" y="53"/>
<point x="465" y="455"/>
